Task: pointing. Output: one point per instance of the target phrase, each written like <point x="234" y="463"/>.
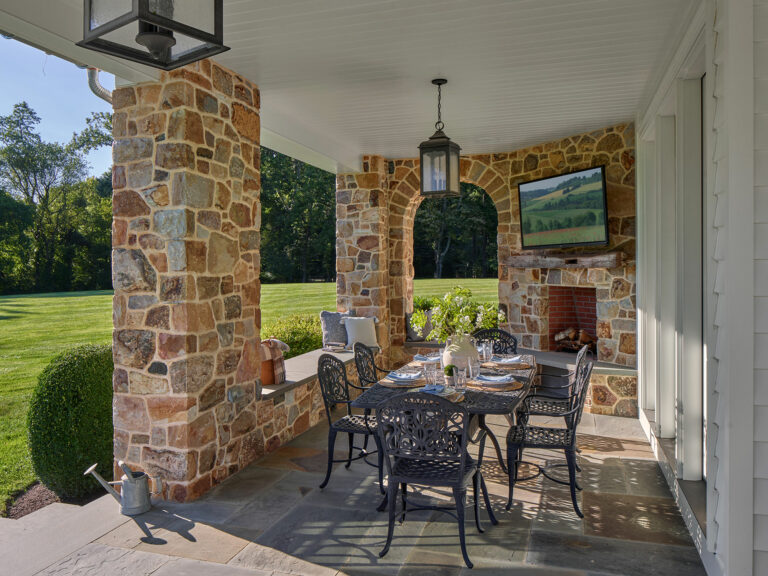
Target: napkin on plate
<point x="502" y="379"/>
<point x="434" y="389"/>
<point x="425" y="358"/>
<point x="507" y="359"/>
<point x="404" y="377"/>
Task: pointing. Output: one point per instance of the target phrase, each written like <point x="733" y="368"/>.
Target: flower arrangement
<point x="457" y="313"/>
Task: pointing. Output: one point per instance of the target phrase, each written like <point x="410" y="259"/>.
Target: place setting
<point x="405" y="377"/>
<point x="438" y="386"/>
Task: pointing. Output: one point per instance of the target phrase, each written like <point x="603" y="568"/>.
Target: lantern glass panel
<point x="433" y="170"/>
<point x="195" y="13"/>
<point x="454" y="171"/>
<point x="103" y="11"/>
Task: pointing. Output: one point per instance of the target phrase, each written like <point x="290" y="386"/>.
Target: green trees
<point x="456" y="237"/>
<point x="55" y="234"/>
<point x="298" y="229"/>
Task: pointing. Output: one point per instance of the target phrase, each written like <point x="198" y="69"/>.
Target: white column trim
<point x="666" y="272"/>
<point x="689" y="344"/>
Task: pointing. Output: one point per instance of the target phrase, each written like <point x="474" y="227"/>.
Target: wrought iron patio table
<point x="480" y="403"/>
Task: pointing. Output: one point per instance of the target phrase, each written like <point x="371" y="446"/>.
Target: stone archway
<point x="404" y="202"/>
<point x="375" y="216"/>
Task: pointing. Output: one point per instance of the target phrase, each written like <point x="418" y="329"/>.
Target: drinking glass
<point x="474" y="369"/>
<point x="430" y="373"/>
<point x="460" y="379"/>
<point x="486" y="351"/>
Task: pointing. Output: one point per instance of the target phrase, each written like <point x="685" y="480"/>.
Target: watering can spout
<point x="107" y="486"/>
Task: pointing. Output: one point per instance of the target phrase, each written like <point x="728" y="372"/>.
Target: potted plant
<point x="454" y="318"/>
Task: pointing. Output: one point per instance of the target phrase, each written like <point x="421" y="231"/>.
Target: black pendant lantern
<point x="165" y="34"/>
<point x="439" y="159"/>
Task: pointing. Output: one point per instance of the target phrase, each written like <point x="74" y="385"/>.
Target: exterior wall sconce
<point x="439" y="159"/>
<point x="165" y="34"/>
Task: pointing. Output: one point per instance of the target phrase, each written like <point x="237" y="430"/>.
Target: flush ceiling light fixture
<point x="165" y="34"/>
<point x="439" y="158"/>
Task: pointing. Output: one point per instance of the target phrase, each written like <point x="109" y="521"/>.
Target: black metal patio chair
<point x="424" y="439"/>
<point x="522" y="435"/>
<point x="503" y="341"/>
<point x="554" y="399"/>
<point x="367" y="371"/>
<point x="334" y="385"/>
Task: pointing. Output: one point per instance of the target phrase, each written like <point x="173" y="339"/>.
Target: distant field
<point x="34" y="328"/>
<point x="282" y="299"/>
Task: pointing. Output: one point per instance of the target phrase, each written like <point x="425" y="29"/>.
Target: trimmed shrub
<point x="424" y="303"/>
<point x="70" y="420"/>
<point x="301" y="332"/>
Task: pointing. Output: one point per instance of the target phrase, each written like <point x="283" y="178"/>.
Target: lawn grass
<point x="34" y="328"/>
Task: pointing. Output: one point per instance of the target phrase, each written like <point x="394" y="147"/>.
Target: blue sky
<point x="56" y="89"/>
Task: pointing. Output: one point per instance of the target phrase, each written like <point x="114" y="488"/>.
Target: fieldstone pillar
<point x="185" y="266"/>
<point x="362" y="245"/>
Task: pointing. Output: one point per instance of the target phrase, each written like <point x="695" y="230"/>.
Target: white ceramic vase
<point x="460" y="350"/>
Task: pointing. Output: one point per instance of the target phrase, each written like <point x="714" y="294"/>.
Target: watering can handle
<point x="158" y="485"/>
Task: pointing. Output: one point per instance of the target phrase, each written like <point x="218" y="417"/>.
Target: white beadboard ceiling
<point x="349" y="77"/>
<point x="342" y="78"/>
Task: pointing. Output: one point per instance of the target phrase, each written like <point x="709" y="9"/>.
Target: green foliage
<point x="15" y="245"/>
<point x="70" y="420"/>
<point x="298" y="230"/>
<point x="61" y="239"/>
<point x="301" y="332"/>
<point x="457" y="313"/>
<point x="456" y="237"/>
<point x="424" y="303"/>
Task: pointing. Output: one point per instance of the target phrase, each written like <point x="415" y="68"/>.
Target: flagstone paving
<point x="272" y="519"/>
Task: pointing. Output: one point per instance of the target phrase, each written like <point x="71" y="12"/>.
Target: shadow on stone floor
<point x="272" y="514"/>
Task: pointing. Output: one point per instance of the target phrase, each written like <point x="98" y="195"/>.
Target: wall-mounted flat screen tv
<point x="566" y="210"/>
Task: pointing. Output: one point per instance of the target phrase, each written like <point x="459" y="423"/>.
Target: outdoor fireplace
<point x="572" y="318"/>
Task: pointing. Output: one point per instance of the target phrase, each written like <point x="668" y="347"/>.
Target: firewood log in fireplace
<point x="571" y="340"/>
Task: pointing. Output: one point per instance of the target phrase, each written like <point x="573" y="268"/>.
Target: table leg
<point x="486" y="432"/>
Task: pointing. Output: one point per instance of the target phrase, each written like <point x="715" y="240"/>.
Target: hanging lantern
<point x="165" y="34"/>
<point x="439" y="158"/>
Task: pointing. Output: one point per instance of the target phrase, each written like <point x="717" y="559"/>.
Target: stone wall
<point x="362" y="241"/>
<point x="186" y="277"/>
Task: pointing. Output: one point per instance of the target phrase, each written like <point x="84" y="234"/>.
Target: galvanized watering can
<point x="135" y="498"/>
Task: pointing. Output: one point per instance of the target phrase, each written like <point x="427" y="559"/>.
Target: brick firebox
<point x="571" y="307"/>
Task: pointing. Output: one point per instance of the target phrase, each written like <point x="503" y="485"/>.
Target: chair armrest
<point x="358" y="387"/>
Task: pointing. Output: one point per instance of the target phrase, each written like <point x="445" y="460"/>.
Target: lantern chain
<point x="439" y="124"/>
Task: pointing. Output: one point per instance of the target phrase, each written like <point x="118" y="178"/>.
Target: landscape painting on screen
<point x="564" y="210"/>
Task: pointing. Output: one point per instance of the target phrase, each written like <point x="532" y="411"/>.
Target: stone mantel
<point x="567" y="260"/>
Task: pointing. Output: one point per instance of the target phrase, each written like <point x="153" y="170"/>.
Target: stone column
<point x="186" y="276"/>
<point x="362" y="234"/>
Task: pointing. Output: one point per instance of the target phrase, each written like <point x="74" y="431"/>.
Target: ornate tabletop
<point x="475" y="401"/>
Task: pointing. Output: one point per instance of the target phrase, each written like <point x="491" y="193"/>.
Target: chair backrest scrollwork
<point x="580" y="391"/>
<point x="333" y="383"/>
<point x="366" y="365"/>
<point x="503" y="342"/>
<point x="423" y="426"/>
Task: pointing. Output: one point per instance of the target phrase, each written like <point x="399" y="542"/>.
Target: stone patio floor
<point x="272" y="519"/>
